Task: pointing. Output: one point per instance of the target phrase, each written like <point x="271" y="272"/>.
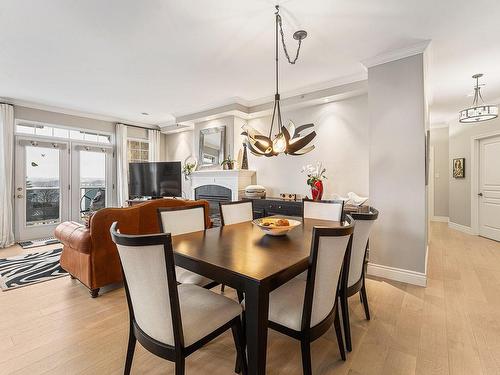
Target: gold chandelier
<point x="289" y="139"/>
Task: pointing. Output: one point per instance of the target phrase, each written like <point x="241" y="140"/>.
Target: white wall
<point x="179" y="146"/>
<point x="397" y="164"/>
<point x="341" y="144"/>
<point x="460" y="147"/>
<point x="32" y="114"/>
<point x="439" y="142"/>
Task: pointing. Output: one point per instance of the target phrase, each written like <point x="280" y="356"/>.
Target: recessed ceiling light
<point x="144" y="113"/>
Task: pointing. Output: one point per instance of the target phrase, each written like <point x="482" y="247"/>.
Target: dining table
<point x="243" y="257"/>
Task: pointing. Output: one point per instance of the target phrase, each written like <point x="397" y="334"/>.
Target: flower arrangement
<point x="188" y="169"/>
<point x="315" y="177"/>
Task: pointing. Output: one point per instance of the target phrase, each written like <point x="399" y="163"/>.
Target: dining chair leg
<point x="344" y="304"/>
<point x="222" y="288"/>
<point x="305" y="346"/>
<point x="130" y="351"/>
<point x="338" y="332"/>
<point x="239" y="343"/>
<point x="180" y="364"/>
<point x="365" y="301"/>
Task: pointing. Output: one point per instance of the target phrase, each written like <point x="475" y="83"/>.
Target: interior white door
<point x="489" y="188"/>
<point x="41" y="184"/>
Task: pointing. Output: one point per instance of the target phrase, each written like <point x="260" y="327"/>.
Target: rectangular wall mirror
<point x="212" y="146"/>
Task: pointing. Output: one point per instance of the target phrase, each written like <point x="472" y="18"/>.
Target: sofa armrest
<point x="75" y="236"/>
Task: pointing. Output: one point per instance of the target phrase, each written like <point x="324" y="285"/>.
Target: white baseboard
<point x="397" y="274"/>
<point x="441" y="219"/>
<point x="461" y="228"/>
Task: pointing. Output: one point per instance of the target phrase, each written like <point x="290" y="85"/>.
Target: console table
<point x="263" y="207"/>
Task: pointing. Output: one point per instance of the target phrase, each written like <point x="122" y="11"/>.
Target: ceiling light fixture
<point x="288" y="139"/>
<point x="478" y="111"/>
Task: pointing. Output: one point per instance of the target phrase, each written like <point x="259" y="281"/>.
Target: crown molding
<point x="396" y="54"/>
<point x="72" y="112"/>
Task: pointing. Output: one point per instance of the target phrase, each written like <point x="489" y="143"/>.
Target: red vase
<point x="317" y="190"/>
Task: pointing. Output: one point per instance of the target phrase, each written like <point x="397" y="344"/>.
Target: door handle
<point x="480" y="194"/>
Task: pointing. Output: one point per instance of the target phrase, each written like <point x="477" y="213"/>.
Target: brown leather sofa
<point x="90" y="255"/>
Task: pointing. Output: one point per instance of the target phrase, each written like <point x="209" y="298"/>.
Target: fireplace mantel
<point x="236" y="180"/>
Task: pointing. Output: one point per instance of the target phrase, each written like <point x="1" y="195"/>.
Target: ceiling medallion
<point x="478" y="111"/>
<point x="288" y="139"/>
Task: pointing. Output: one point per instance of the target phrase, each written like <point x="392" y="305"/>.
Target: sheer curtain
<point x="6" y="183"/>
<point x="154" y="137"/>
<point x="121" y="165"/>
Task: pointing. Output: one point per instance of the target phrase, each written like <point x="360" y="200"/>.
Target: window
<point x="61" y="132"/>
<point x="138" y="150"/>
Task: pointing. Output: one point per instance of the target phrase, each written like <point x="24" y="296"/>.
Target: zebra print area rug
<point x="19" y="271"/>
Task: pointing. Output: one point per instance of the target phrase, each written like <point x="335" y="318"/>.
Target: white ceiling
<point x="169" y="57"/>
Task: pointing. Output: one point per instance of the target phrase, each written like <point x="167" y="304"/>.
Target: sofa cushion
<point x="74" y="235"/>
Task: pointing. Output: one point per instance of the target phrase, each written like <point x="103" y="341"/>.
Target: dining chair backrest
<point x="328" y="249"/>
<point x="364" y="223"/>
<point x="181" y="220"/>
<point x="323" y="210"/>
<point x="148" y="270"/>
<point x="236" y="212"/>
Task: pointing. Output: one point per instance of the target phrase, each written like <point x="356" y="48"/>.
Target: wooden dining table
<point x="243" y="257"/>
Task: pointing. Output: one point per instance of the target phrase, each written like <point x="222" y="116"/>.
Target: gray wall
<point x="460" y="147"/>
<point x="341" y="145"/>
<point x="397" y="165"/>
<point x="439" y="142"/>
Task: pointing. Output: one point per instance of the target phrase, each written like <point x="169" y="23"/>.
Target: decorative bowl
<point x="276" y="226"/>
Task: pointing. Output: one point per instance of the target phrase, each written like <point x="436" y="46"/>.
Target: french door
<point x="41" y="187"/>
<point x="57" y="181"/>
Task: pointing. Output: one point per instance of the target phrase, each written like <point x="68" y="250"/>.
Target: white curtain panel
<point x="6" y="165"/>
<point x="121" y="164"/>
<point x="154" y="137"/>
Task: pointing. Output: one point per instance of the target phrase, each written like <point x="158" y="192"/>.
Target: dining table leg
<point x="256" y="315"/>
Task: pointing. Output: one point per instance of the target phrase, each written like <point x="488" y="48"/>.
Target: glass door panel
<point x="92" y="181"/>
<point x="42" y="186"/>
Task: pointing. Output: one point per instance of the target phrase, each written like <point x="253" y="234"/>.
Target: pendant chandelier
<point x="478" y="111"/>
<point x="288" y="139"/>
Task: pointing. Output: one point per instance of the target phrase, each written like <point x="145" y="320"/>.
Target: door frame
<point x="474" y="181"/>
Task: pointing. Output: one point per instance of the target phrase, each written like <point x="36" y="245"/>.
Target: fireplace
<point x="214" y="194"/>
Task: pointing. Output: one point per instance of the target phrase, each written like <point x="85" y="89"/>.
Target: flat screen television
<point x="155" y="179"/>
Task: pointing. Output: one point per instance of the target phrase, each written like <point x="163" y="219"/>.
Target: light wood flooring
<point x="450" y="327"/>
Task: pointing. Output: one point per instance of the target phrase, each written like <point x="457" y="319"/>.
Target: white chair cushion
<point x="237" y="212"/>
<point x="183" y="221"/>
<point x="203" y="311"/>
<point x="322" y="210"/>
<point x="185" y="276"/>
<point x="286" y="304"/>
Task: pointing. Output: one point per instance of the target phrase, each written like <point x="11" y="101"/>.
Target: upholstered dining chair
<point x="355" y="280"/>
<point x="181" y="220"/>
<point x="169" y="320"/>
<point x="323" y="210"/>
<point x="236" y="212"/>
<point x="306" y="309"/>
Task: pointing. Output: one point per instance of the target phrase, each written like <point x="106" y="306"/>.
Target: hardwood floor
<point x="450" y="327"/>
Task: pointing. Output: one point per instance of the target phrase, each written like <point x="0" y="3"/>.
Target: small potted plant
<point x="315" y="177"/>
<point x="228" y="163"/>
